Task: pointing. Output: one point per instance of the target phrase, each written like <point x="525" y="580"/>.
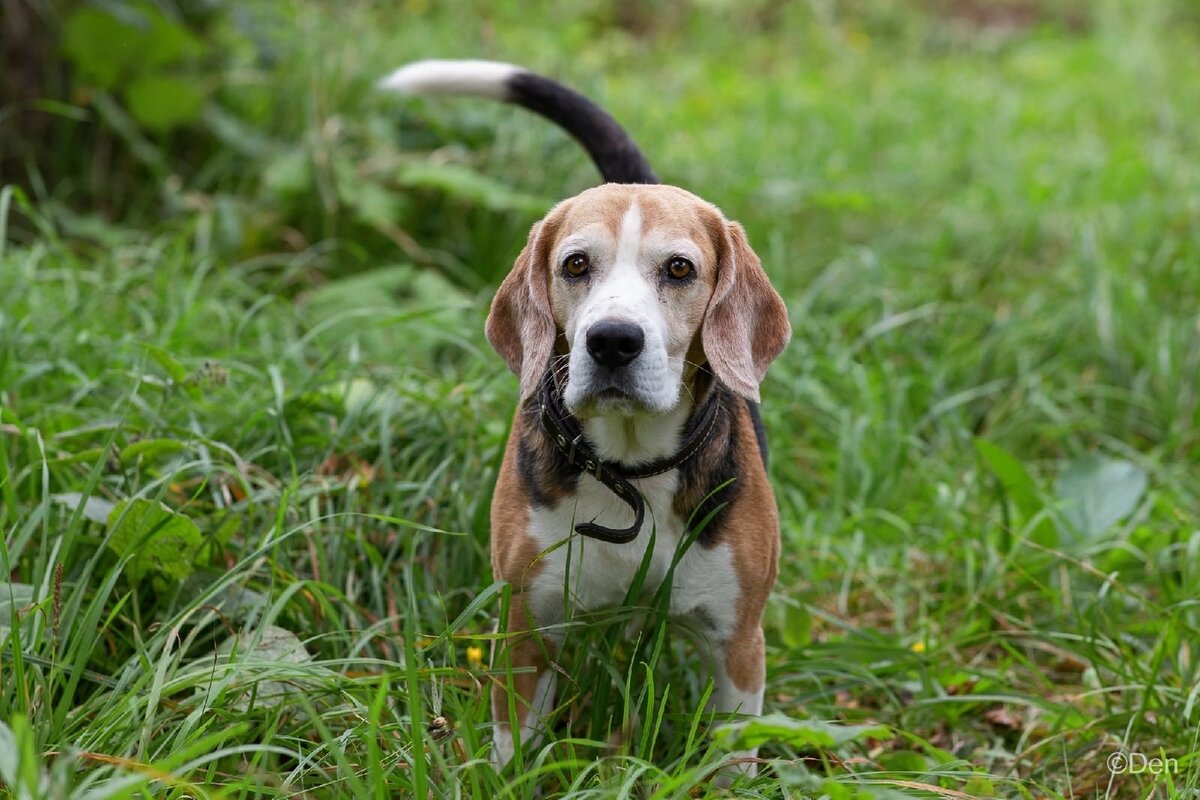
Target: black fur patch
<point x="760" y="433"/>
<point x="545" y="473"/>
<point x="615" y="153"/>
<point x="708" y="481"/>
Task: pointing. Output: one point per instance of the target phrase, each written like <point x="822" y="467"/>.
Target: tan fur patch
<point x="515" y="560"/>
<point x="665" y="208"/>
<point x="514" y="551"/>
<point x="753" y="532"/>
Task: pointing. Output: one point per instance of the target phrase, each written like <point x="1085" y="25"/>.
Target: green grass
<point x="981" y="234"/>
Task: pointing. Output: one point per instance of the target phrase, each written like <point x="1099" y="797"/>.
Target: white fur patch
<point x="596" y="574"/>
<point x="468" y="77"/>
<point x="587" y="574"/>
<point x="630" y="240"/>
<point x="726" y="699"/>
<point x="624" y="292"/>
<point x="543" y="704"/>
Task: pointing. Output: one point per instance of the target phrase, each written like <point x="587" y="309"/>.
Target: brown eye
<point x="679" y="268"/>
<point x="576" y="265"/>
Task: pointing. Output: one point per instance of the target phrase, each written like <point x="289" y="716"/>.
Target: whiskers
<point x="686" y="387"/>
<point x="560" y="366"/>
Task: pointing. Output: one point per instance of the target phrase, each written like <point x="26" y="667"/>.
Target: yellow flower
<point x="918" y="647"/>
<point x="475" y="657"/>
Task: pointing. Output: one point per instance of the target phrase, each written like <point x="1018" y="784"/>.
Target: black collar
<point x="567" y="436"/>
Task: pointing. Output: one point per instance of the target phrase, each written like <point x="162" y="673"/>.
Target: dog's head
<point x="634" y="287"/>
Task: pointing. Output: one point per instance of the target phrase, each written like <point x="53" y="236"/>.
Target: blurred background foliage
<point x="238" y="280"/>
<point x="979" y="138"/>
<point x="259" y="120"/>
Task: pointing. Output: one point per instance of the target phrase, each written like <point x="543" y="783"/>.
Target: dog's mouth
<point x="612" y="393"/>
<point x="607" y="400"/>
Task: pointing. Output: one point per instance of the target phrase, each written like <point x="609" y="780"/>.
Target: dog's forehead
<point x="665" y="211"/>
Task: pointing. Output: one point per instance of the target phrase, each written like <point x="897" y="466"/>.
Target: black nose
<point x="613" y="343"/>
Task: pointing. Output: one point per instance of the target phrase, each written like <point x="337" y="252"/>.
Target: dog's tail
<point x="615" y="153"/>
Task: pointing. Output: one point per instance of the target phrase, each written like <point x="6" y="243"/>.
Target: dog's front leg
<point x="522" y="657"/>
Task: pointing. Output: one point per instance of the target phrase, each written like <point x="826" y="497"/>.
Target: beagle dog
<point x="640" y="324"/>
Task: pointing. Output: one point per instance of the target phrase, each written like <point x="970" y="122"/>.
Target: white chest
<point x="590" y="574"/>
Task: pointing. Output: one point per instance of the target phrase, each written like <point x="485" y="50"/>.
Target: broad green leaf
<point x="164" y="101"/>
<point x="272" y="643"/>
<point x="804" y="783"/>
<point x="162" y="541"/>
<point x="19" y="761"/>
<point x="100" y="45"/>
<point x="1098" y="492"/>
<point x="852" y="791"/>
<point x="980" y="786"/>
<point x="96" y="509"/>
<point x="801" y="733"/>
<point x="1018" y="487"/>
<point x="905" y="761"/>
<point x="238" y="601"/>
<point x="167" y="41"/>
<point x="1012" y="476"/>
<point x="795" y="624"/>
<point x="13" y="598"/>
<point x="263" y="651"/>
<point x="108" y="46"/>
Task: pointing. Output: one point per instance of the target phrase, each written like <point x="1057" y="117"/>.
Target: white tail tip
<point x="474" y="78"/>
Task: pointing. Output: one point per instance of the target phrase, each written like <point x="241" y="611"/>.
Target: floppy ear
<point x="520" y="325"/>
<point x="746" y="325"/>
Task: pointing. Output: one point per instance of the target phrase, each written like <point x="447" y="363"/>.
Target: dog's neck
<point x="641" y="438"/>
<point x="637" y="438"/>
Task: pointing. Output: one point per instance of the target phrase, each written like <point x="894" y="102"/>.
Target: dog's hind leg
<point x="739" y="672"/>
